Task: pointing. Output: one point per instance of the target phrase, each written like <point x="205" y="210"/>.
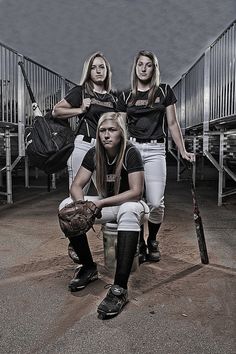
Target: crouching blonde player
<point x="118" y="170"/>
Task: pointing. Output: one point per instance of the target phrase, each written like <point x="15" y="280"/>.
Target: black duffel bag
<point x="49" y="143"/>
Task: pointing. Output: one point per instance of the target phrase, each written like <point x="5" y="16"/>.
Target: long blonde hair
<point x="101" y="158"/>
<point x="155" y="80"/>
<point x="86" y="81"/>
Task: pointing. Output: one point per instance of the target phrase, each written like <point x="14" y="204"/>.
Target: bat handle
<point x="36" y="110"/>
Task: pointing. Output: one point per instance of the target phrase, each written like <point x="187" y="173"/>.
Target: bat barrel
<point x="199" y="228"/>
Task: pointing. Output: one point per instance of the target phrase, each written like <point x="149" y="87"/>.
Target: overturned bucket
<point x="110" y="233"/>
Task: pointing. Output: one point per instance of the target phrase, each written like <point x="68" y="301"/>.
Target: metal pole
<point x="8" y="165"/>
<point x="221" y="170"/>
<point x="206" y="100"/>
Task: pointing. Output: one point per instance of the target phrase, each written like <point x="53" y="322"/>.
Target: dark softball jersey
<point x="145" y="122"/>
<point x="100" y="103"/>
<point x="132" y="163"/>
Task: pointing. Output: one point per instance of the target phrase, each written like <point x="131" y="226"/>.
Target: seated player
<point x="119" y="177"/>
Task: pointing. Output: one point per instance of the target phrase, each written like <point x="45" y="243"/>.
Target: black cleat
<point x="113" y="303"/>
<point x="72" y="254"/>
<point x="154" y="254"/>
<point x="82" y="277"/>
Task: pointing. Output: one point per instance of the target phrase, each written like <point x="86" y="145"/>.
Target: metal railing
<point x="15" y="105"/>
<point x="206" y="105"/>
<point x="222" y="75"/>
<point x="208" y="89"/>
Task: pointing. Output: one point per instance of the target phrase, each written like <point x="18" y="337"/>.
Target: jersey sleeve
<point x="170" y="96"/>
<point x="74" y="97"/>
<point x="133" y="160"/>
<point x="88" y="160"/>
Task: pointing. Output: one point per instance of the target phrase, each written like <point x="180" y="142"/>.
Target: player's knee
<point x="156" y="204"/>
<point x="65" y="202"/>
<point x="129" y="216"/>
<point x="157" y="215"/>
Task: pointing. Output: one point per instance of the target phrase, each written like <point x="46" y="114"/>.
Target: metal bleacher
<point x="16" y="110"/>
<point x="206" y="110"/>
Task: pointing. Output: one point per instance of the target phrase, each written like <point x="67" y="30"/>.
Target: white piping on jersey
<point x="164" y="93"/>
<point x="126" y="99"/>
<point x="113" y="97"/>
<point x="126" y="154"/>
<point x="165" y="90"/>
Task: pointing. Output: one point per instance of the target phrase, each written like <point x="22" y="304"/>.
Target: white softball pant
<point x="154" y="161"/>
<point x="75" y="160"/>
<point x="128" y="216"/>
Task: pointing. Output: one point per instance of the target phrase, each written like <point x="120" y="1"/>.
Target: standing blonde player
<point x="88" y="101"/>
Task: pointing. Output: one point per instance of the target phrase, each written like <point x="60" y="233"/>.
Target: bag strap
<point x="79" y="125"/>
<point x="81" y="118"/>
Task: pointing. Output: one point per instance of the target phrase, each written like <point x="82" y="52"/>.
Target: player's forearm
<point x="127" y="196"/>
<point x="64" y="113"/>
<point x="174" y="128"/>
<point x="177" y="137"/>
<point x="76" y="192"/>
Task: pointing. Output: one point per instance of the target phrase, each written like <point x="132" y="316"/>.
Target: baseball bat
<point x="35" y="107"/>
<point x="198" y="222"/>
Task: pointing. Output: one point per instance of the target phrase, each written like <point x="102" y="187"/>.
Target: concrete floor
<point x="176" y="306"/>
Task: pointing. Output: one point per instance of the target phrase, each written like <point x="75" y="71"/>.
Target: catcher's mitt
<point x="78" y="217"/>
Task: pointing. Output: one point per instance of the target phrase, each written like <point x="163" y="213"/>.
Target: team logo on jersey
<point x="145" y="102"/>
<point x="111" y="178"/>
<point x="141" y="103"/>
<point x="101" y="103"/>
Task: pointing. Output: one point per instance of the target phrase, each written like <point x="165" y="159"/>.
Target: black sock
<point x="81" y="247"/>
<point x="153" y="230"/>
<point x="141" y="235"/>
<point x="126" y="249"/>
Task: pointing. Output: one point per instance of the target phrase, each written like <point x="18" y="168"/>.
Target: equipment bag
<point x="49" y="143"/>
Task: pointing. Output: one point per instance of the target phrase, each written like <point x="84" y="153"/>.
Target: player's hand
<point x="189" y="156"/>
<point x="85" y="104"/>
<point x="98" y="203"/>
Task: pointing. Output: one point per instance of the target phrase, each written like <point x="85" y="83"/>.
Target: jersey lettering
<point x="111" y="178"/>
<point x="145" y="102"/>
<point x="100" y="103"/>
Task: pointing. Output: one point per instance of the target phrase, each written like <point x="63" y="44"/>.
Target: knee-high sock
<point x="153" y="230"/>
<point x="126" y="248"/>
<point x="141" y="236"/>
<point x="81" y="247"/>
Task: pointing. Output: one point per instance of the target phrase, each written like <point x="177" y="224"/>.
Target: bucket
<point x="110" y="245"/>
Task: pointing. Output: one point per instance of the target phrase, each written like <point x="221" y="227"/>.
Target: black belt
<point x="160" y="140"/>
<point x="88" y="139"/>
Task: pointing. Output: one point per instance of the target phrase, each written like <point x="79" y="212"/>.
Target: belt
<point x="88" y="139"/>
<point x="160" y="140"/>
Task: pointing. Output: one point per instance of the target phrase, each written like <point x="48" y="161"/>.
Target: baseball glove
<point x="78" y="217"/>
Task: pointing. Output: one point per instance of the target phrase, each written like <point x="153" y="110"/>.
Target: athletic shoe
<point x="154" y="254"/>
<point x="82" y="277"/>
<point x="113" y="303"/>
<point x="72" y="254"/>
<point x="142" y="252"/>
